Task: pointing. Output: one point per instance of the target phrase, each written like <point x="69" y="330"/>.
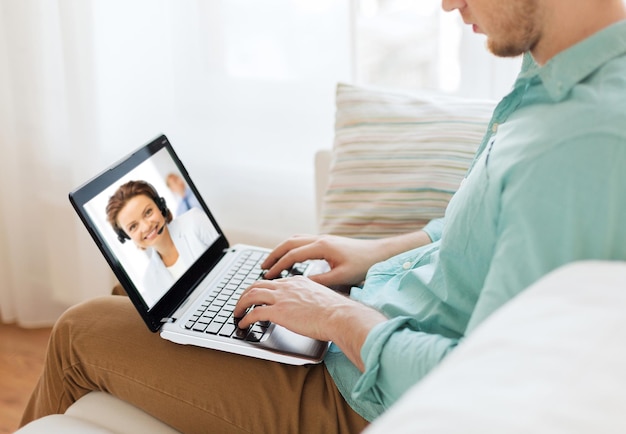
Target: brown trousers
<point x="103" y="345"/>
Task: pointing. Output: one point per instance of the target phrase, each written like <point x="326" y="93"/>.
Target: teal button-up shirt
<point x="547" y="187"/>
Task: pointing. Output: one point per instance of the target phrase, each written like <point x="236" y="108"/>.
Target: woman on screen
<point x="136" y="212"/>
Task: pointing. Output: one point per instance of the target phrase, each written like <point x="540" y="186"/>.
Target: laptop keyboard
<point x="215" y="315"/>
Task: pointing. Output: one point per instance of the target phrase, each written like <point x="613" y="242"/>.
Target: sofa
<point x="549" y="361"/>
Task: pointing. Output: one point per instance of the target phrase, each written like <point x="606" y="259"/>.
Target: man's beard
<point x="518" y="37"/>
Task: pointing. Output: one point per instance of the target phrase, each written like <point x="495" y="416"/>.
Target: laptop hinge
<point x="167" y="320"/>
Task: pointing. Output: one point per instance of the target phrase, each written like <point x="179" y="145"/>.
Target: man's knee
<point x="84" y="317"/>
<point x="89" y="310"/>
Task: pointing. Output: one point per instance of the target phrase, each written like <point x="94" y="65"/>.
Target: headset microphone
<point x="160" y="231"/>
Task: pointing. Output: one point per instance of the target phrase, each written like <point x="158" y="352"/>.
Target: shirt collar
<point x="573" y="65"/>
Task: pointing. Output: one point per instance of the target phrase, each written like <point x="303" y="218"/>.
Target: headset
<point x="160" y="203"/>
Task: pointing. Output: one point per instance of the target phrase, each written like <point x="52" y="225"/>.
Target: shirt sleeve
<point x="391" y="365"/>
<point x="434" y="229"/>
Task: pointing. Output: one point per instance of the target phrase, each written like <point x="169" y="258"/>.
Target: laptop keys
<point x="254" y="333"/>
<point x="214" y="316"/>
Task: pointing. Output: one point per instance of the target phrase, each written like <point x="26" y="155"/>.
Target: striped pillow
<point x="397" y="159"/>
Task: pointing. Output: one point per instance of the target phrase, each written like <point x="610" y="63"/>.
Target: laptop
<point x="177" y="267"/>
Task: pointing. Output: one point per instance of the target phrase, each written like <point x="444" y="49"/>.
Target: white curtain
<point x="47" y="116"/>
<point x="244" y="90"/>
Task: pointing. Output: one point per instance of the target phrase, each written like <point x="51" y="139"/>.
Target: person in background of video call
<point x="187" y="199"/>
<point x="137" y="212"/>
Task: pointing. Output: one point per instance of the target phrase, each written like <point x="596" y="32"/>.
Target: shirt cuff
<point x="364" y="388"/>
<point x="434" y="229"/>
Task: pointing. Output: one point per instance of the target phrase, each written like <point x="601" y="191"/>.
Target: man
<point x="547" y="187"/>
<point x="187" y="199"/>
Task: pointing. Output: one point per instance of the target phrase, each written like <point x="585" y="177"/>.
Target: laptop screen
<point x="151" y="224"/>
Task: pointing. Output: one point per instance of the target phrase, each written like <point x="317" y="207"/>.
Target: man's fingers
<point x="284" y="248"/>
<point x="254" y="314"/>
<point x="297" y="254"/>
<point x="252" y="296"/>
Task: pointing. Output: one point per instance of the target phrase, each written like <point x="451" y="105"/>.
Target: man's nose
<point x="450" y="5"/>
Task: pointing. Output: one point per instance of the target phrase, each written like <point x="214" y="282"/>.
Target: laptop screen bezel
<point x="162" y="310"/>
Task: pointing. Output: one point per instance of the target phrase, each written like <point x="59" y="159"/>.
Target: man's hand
<point x="349" y="258"/>
<point x="310" y="309"/>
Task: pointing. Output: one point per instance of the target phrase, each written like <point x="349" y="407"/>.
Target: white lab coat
<point x="192" y="233"/>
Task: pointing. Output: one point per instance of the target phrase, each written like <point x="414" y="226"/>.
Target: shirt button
<point x="494" y="127"/>
<point x="406" y="265"/>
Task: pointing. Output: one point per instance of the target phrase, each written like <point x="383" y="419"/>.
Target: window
<point x="416" y="45"/>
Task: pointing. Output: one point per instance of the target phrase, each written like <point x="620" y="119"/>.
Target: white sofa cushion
<point x="550" y="361"/>
<point x="397" y="158"/>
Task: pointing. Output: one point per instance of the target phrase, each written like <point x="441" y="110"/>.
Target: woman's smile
<point x="153" y="233"/>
